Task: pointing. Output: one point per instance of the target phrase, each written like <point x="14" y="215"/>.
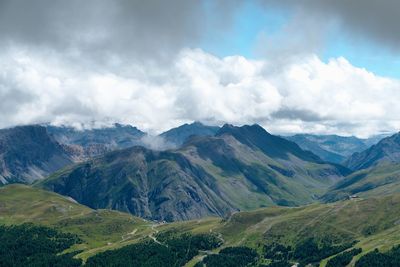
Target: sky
<point x="305" y="66"/>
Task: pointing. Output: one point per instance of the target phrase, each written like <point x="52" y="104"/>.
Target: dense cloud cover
<point x="375" y="20"/>
<point x="97" y="61"/>
<point x="307" y="96"/>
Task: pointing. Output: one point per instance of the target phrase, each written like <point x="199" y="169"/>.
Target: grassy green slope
<point x="377" y="181"/>
<point x="100" y="229"/>
<point x="373" y="222"/>
<point x="251" y="179"/>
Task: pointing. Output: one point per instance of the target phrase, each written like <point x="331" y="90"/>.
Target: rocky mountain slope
<point x="87" y="143"/>
<point x="239" y="168"/>
<point x="29" y="153"/>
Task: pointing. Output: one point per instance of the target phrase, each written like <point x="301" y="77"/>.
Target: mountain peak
<point x="256" y="136"/>
<point x="197" y="123"/>
<point x="179" y="135"/>
<point x="229" y="128"/>
<point x="331" y="148"/>
<point x="128" y="127"/>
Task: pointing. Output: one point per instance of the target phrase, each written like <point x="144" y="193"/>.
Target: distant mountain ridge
<point x="239" y="168"/>
<point x="275" y="146"/>
<point x="376" y="172"/>
<point x="386" y="151"/>
<point x="29" y="153"/>
<point x="333" y="148"/>
<point x="376" y="181"/>
<point x="32" y="152"/>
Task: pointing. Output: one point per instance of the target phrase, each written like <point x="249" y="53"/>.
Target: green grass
<point x="377" y="181"/>
<point x="99" y="229"/>
<point x="374" y="222"/>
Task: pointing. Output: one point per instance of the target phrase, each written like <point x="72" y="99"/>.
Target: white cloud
<point x="347" y="99"/>
<point x="307" y="95"/>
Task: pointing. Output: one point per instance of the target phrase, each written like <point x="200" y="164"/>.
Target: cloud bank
<point x="306" y="96"/>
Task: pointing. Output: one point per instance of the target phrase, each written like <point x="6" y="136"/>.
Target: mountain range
<point x="32" y="152"/>
<point x="210" y="171"/>
<point x="239" y="168"/>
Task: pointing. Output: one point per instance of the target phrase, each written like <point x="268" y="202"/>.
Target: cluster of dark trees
<point x="377" y="258"/>
<point x="173" y="251"/>
<point x="283" y="263"/>
<point x="199" y="241"/>
<point x="306" y="252"/>
<point x="278" y="254"/>
<point x="310" y="251"/>
<point x="343" y="259"/>
<point x="30" y="245"/>
<point x="230" y="257"/>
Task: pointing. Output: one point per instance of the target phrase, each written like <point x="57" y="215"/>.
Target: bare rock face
<point x="88" y="143"/>
<point x="80" y="153"/>
<point x="28" y="153"/>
